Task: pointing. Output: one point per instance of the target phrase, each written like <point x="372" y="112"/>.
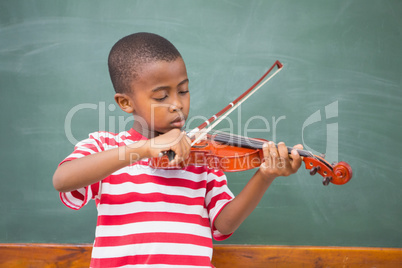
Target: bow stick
<point x="218" y="117"/>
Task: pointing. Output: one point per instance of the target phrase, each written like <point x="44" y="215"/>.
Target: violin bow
<point x="222" y="114"/>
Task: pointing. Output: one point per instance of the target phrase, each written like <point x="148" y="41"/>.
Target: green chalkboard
<point x="340" y="93"/>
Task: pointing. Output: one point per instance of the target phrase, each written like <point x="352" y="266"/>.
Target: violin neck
<point x="245" y="142"/>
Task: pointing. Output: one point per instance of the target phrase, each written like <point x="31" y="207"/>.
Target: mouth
<point x="178" y="122"/>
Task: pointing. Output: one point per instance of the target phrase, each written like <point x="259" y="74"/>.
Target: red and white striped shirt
<point x="151" y="217"/>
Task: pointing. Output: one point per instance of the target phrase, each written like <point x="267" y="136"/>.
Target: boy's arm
<point x="277" y="163"/>
<point x="90" y="169"/>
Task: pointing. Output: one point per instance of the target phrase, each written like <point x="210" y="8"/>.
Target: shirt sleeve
<point x="78" y="198"/>
<point x="217" y="197"/>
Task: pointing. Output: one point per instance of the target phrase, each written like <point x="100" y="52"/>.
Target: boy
<point x="157" y="217"/>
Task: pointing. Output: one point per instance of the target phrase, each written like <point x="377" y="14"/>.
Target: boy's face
<point x="160" y="97"/>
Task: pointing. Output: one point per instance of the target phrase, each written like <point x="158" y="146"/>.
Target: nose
<point x="176" y="105"/>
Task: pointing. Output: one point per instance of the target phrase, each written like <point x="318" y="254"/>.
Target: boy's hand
<point x="175" y="140"/>
<point x="277" y="161"/>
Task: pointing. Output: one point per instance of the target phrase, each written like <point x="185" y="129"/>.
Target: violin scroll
<point x="343" y="173"/>
<point x="337" y="173"/>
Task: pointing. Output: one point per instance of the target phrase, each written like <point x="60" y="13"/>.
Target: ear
<point x="124" y="102"/>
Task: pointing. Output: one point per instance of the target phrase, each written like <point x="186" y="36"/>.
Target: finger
<point x="265" y="151"/>
<point x="298" y="146"/>
<point x="283" y="150"/>
<point x="296" y="160"/>
<point x="273" y="151"/>
<point x="187" y="145"/>
<point x="283" y="159"/>
<point x="188" y="140"/>
<point x="273" y="156"/>
<point x="179" y="149"/>
<point x="182" y="148"/>
<point x="178" y="154"/>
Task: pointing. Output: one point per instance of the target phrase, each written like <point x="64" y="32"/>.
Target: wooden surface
<point x="45" y="255"/>
<point x="294" y="256"/>
<point x="230" y="256"/>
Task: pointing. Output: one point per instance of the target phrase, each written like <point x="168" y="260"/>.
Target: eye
<point x="161" y="99"/>
<point x="183" y="92"/>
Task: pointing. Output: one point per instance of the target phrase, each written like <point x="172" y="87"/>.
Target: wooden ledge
<point x="230" y="256"/>
<point x="305" y="256"/>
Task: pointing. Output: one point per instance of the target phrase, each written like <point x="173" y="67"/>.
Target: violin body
<point x="216" y="155"/>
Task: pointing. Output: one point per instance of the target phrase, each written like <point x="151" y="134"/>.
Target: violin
<point x="233" y="153"/>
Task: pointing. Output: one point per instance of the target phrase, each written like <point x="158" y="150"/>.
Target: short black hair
<point x="131" y="52"/>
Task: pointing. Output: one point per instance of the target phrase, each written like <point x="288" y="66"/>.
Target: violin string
<point x="251" y="143"/>
<point x="238" y="140"/>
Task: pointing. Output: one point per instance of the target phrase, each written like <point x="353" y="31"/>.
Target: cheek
<point x="186" y="107"/>
<point x="159" y="111"/>
<point x="186" y="110"/>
